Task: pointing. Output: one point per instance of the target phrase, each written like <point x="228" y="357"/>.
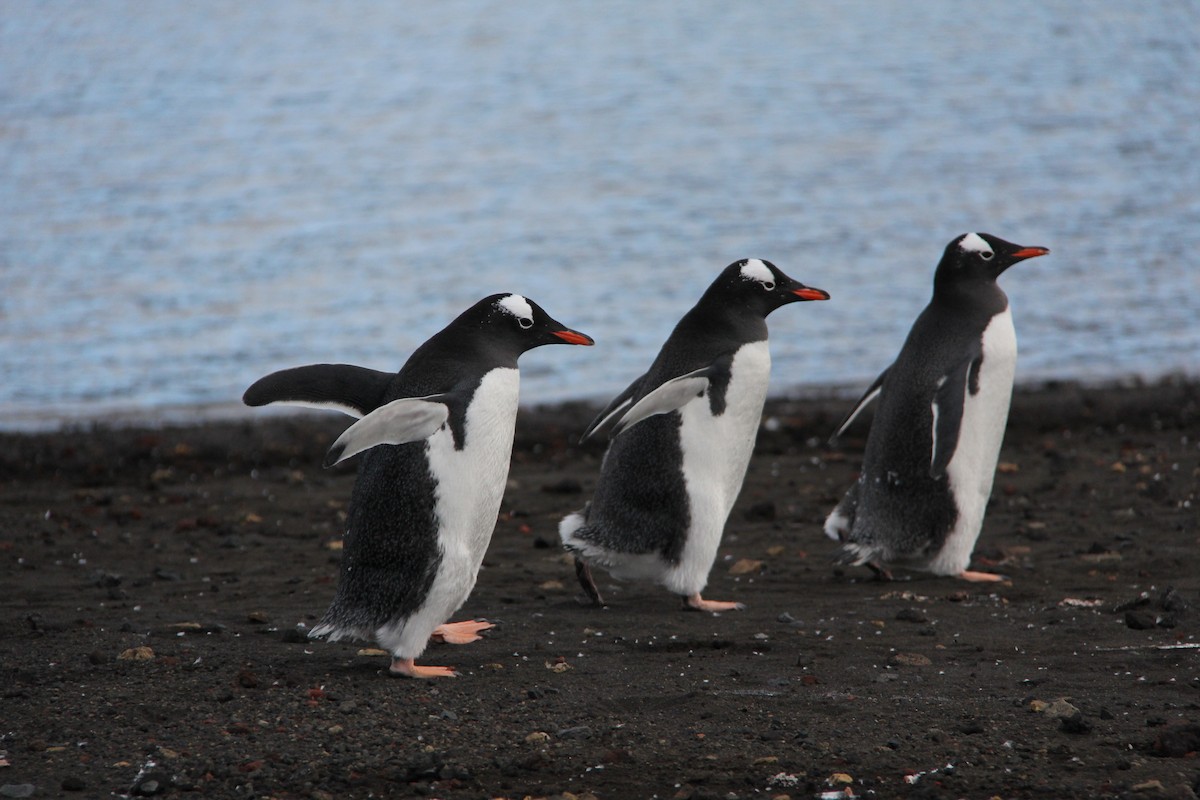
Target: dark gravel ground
<point x="153" y="581"/>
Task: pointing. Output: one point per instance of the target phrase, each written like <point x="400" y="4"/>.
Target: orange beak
<point x="574" y="337"/>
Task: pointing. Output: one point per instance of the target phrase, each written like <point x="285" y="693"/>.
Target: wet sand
<point x="154" y="580"/>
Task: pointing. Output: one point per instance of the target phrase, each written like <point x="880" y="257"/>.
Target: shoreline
<point x="119" y="418"/>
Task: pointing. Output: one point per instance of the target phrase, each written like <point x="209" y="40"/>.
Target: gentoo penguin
<point x="943" y="405"/>
<point x="683" y="433"/>
<point x="438" y="436"/>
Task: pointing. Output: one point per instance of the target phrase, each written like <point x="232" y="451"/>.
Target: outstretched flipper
<point x="356" y="391"/>
<point x="408" y="419"/>
<point x="864" y="401"/>
<point x="678" y="392"/>
<point x="614" y="410"/>
<point x="947" y="408"/>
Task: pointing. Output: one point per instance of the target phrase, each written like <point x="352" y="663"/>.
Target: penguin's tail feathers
<point x="570" y="525"/>
<point x="855" y="554"/>
<point x="334" y="632"/>
<point x="838" y="524"/>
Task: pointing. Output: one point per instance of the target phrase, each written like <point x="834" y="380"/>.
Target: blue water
<point x="195" y="194"/>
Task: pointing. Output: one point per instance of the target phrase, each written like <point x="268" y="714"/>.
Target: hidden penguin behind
<point x="438" y="438"/>
<point x="932" y="448"/>
<point x="683" y="435"/>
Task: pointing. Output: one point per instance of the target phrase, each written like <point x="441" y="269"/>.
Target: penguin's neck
<point x="977" y="296"/>
<point x="716" y="319"/>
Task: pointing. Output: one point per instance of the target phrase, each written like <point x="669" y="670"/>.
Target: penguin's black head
<point x="980" y="257"/>
<point x="512" y="324"/>
<point x="760" y="285"/>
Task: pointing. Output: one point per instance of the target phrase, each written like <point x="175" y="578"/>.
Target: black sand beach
<point x="154" y="580"/>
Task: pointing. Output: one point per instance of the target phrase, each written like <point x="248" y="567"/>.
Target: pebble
<point x="73" y="783"/>
<point x="745" y="566"/>
<point x="909" y="660"/>
<point x="911" y="615"/>
<point x="1059" y="709"/>
<point x="1140" y="620"/>
<point x="537" y="737"/>
<point x="142" y="653"/>
<point x="17" y="790"/>
<point x="1076" y="724"/>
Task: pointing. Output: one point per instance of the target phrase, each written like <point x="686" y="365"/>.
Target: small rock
<point x="1075" y="724"/>
<point x="537" y="737"/>
<point x="258" y="617"/>
<point x="1177" y="741"/>
<point x="1060" y="709"/>
<point x="295" y="636"/>
<point x="73" y="783"/>
<point x="909" y="660"/>
<point x="1140" y="620"/>
<point x="142" y="653"/>
<point x="911" y="615"/>
<point x="1148" y="786"/>
<point x="149" y="785"/>
<point x="839" y="779"/>
<point x="745" y="566"/>
<point x="17" y="790"/>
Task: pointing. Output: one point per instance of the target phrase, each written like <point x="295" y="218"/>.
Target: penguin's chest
<point x="985" y="416"/>
<point x="470" y="481"/>
<point x="717" y="447"/>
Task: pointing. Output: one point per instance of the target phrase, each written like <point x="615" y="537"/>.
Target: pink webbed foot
<point x="700" y="604"/>
<point x="404" y="667"/>
<point x="980" y="577"/>
<point x="463" y="632"/>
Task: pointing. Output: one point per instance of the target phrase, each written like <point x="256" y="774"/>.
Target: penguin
<point x="437" y="438"/>
<point x="682" y="435"/>
<point x="943" y="404"/>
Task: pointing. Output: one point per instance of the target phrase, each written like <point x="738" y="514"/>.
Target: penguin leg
<point x="882" y="573"/>
<point x="406" y="668"/>
<point x="980" y="577"/>
<point x="700" y="604"/>
<point x="584" y="573"/>
<point x="463" y="632"/>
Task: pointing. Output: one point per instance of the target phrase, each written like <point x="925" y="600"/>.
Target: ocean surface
<point x="195" y="194"/>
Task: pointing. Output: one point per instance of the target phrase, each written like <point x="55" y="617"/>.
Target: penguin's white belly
<point x="973" y="466"/>
<point x="470" y="488"/>
<point x="716" y="451"/>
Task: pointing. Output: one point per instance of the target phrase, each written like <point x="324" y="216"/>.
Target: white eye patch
<point x="755" y="270"/>
<point x="974" y="243"/>
<point x="517" y="306"/>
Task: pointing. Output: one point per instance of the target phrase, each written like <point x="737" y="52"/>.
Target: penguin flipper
<point x="864" y="401"/>
<point x="676" y="393"/>
<point x="356" y="391"/>
<point x="947" y="408"/>
<point x="408" y="419"/>
<point x="613" y="410"/>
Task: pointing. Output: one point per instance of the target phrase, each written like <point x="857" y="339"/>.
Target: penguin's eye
<point x="525" y="322"/>
<point x="986" y="255"/>
<point x="769" y="285"/>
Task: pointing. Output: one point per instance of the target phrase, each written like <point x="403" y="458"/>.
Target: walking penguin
<point x="943" y="405"/>
<point x="438" y="437"/>
<point x="682" y="437"/>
